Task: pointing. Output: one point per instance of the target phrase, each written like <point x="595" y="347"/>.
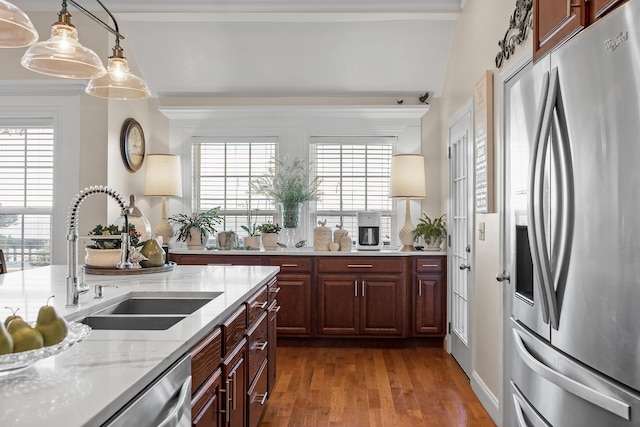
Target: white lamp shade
<point x="16" y="29"/>
<point x="164" y="176"/>
<point x="408" y="176"/>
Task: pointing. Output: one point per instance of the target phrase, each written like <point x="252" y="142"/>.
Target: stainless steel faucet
<point x="75" y="289"/>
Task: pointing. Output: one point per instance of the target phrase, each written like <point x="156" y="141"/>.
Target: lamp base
<point x="407" y="248"/>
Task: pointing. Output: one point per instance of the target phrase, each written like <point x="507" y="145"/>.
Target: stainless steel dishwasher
<point x="164" y="403"/>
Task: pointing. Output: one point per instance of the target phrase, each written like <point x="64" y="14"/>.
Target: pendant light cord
<point x="115" y="31"/>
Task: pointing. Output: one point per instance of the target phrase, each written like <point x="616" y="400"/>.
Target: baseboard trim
<point x="487" y="398"/>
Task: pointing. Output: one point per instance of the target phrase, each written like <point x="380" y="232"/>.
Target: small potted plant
<point x="252" y="241"/>
<point x="195" y="229"/>
<point x="105" y="252"/>
<point x="432" y="231"/>
<point x="269" y="232"/>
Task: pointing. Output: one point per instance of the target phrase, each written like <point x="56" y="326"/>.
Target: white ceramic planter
<point x="108" y="258"/>
<point x="270" y="241"/>
<point x="195" y="242"/>
<point x="252" y="243"/>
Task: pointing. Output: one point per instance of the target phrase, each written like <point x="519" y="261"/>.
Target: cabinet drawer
<point x="430" y="264"/>
<point x="256" y="306"/>
<point x="292" y="264"/>
<point x="257" y="396"/>
<point x="258" y="346"/>
<point x="233" y="329"/>
<point x="332" y="264"/>
<point x="205" y="357"/>
<point x="205" y="405"/>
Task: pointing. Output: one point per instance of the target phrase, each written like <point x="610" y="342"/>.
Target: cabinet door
<point x="599" y="8"/>
<point x="429" y="299"/>
<point x="554" y="22"/>
<point x="235" y="375"/>
<point x="271" y="350"/>
<point x="294" y="297"/>
<point x="381" y="304"/>
<point x="339" y="304"/>
<point x="205" y="409"/>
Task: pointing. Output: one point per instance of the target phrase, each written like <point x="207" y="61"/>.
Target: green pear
<point x="16" y="324"/>
<point x="25" y="337"/>
<point x="12" y="316"/>
<point x="6" y="342"/>
<point x="52" y="327"/>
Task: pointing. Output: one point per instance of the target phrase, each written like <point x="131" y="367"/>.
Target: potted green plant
<point x="269" y="233"/>
<point x="105" y="252"/>
<point x="252" y="240"/>
<point x="432" y="231"/>
<point x="288" y="184"/>
<point x="196" y="228"/>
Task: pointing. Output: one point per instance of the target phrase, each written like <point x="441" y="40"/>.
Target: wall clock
<point x="132" y="144"/>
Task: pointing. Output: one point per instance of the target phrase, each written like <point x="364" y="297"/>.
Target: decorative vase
<point x="106" y="258"/>
<point x="252" y="243"/>
<point x="433" y="244"/>
<point x="227" y="240"/>
<point x="270" y="241"/>
<point x="291" y="214"/>
<point x="196" y="241"/>
<point x="154" y="253"/>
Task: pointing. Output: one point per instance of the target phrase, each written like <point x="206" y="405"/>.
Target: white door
<point x="461" y="232"/>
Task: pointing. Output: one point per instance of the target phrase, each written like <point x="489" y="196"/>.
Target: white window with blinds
<point x="223" y="168"/>
<point x="355" y="174"/>
<point x="26" y="199"/>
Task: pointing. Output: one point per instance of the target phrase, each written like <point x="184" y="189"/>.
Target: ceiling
<point x="286" y="48"/>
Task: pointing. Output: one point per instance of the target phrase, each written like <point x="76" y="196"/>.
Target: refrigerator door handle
<point x="580" y="390"/>
<point x="532" y="198"/>
<point x="541" y="236"/>
<point x="565" y="216"/>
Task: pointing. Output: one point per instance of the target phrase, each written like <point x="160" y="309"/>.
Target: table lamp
<point x="163" y="178"/>
<point x="408" y="182"/>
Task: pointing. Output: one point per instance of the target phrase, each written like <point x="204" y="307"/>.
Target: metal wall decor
<point x="521" y="21"/>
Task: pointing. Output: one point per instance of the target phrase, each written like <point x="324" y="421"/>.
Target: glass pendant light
<point x="63" y="55"/>
<point x="118" y="82"/>
<point x="16" y="29"/>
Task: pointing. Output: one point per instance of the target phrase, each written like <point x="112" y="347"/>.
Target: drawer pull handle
<point x="262" y="397"/>
<point x="289" y="265"/>
<point x="359" y="265"/>
<point x="430" y="265"/>
<point x="419" y="288"/>
<point x="261" y="305"/>
<point x="276" y="309"/>
<point x="261" y="346"/>
<point x="274" y="290"/>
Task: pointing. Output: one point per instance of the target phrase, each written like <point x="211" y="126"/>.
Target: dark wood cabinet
<point x="361" y="296"/>
<point x="274" y="308"/>
<point x="599" y="8"/>
<point x="234" y="370"/>
<point x="294" y="295"/>
<point x="554" y="22"/>
<point x="429" y="296"/>
<point x="205" y="404"/>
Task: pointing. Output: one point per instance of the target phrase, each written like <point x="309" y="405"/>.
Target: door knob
<point x="465" y="267"/>
<point x="501" y="277"/>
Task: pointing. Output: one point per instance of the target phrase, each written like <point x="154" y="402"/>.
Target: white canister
<point x="321" y="237"/>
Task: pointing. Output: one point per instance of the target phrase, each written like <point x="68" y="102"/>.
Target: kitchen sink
<point x="131" y="323"/>
<point x="158" y="305"/>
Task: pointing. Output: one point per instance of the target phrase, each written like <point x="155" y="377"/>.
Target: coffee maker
<point x="369" y="231"/>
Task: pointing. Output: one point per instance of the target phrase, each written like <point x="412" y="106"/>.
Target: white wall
<point x="474" y="48"/>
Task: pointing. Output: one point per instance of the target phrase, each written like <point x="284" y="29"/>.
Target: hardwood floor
<point x="371" y="387"/>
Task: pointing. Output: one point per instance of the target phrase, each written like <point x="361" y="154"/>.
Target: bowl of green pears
<point x="23" y="343"/>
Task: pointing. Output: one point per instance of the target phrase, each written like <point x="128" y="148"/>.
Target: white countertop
<point x="87" y="383"/>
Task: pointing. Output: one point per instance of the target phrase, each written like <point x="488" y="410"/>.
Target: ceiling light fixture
<point x="16" y="29"/>
<point x="63" y="56"/>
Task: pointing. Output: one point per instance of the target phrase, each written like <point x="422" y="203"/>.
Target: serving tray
<point x="109" y="271"/>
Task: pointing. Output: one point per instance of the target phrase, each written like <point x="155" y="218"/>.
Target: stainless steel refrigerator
<point x="572" y="227"/>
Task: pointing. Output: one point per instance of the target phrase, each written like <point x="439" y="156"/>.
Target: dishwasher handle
<point x="173" y="419"/>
